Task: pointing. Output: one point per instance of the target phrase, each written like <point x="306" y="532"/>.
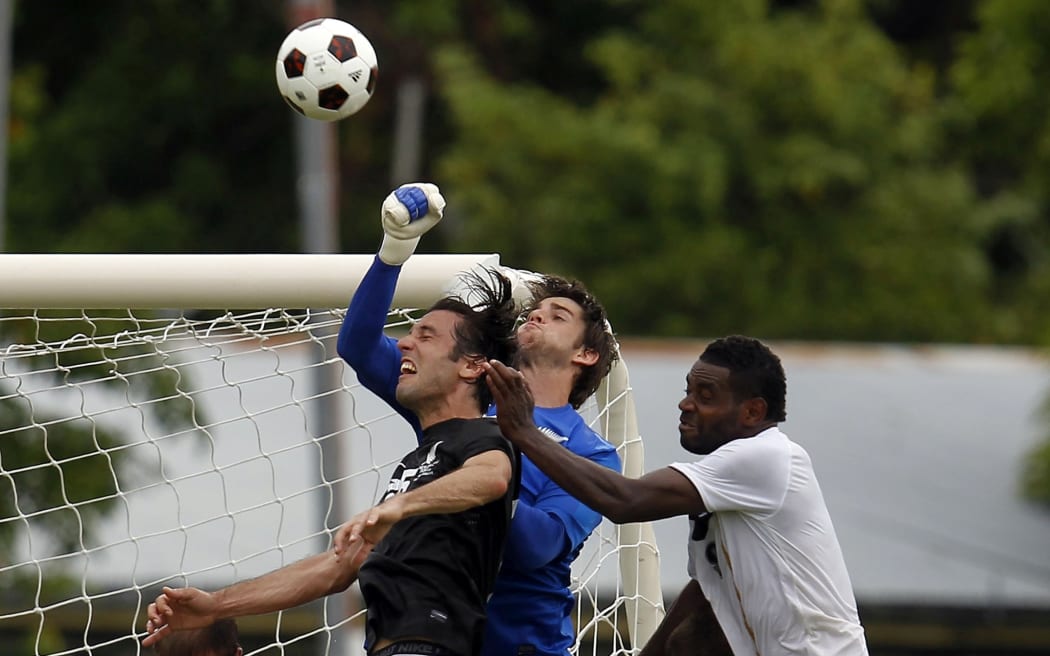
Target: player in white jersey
<point x="762" y="547"/>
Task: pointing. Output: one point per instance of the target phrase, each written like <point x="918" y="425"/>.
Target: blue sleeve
<point x="535" y="539"/>
<point x="374" y="357"/>
<point x="555" y="523"/>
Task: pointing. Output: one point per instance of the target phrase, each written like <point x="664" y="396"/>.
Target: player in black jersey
<point x="426" y="556"/>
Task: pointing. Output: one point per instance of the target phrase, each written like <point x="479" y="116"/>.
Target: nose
<point x="686" y="404"/>
<point x="404" y="343"/>
<point x="536" y="316"/>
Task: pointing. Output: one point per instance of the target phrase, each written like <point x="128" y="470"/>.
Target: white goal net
<point x="206" y="432"/>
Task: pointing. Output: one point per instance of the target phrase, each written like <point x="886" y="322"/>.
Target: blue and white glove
<point x="408" y="212"/>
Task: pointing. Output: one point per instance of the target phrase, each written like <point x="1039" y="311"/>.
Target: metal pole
<point x="408" y="131"/>
<point x="7" y="8"/>
<point x="318" y="194"/>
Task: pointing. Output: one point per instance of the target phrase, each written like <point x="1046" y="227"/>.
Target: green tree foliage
<point x="779" y="172"/>
<point x="148" y="127"/>
<point x="793" y="169"/>
<point x="1000" y="120"/>
<point x="1000" y="113"/>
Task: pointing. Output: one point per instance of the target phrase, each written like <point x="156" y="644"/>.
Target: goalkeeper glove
<point x="408" y="212"/>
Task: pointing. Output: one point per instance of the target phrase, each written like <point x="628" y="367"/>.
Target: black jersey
<point x="431" y="576"/>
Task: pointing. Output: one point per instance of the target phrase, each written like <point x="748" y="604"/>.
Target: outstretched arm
<point x="481" y="479"/>
<point x="178" y="609"/>
<point x="657" y="495"/>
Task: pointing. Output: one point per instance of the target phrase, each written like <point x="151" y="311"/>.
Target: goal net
<point x="206" y="432"/>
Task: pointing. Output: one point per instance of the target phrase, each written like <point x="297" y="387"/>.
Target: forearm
<point x="599" y="487"/>
<point x="465" y="488"/>
<point x="290" y="586"/>
<point x="536" y="538"/>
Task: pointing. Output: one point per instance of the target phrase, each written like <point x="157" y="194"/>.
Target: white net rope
<point x="141" y="449"/>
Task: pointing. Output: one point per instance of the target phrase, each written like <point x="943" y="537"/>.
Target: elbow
<point x="343" y="347"/>
<point x="620" y="509"/>
<point x="341" y="578"/>
<point x="340" y="584"/>
<point x="618" y="516"/>
<point x="494" y="488"/>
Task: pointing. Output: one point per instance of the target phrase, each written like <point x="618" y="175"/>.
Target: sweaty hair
<point x="754" y="371"/>
<point x="219" y="639"/>
<point x="596" y="334"/>
<point x="485" y="330"/>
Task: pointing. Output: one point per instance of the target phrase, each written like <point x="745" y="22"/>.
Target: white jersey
<point x="769" y="560"/>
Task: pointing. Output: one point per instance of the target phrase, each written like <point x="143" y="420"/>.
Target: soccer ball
<point x="326" y="69"/>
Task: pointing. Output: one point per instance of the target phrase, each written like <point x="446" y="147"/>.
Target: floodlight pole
<point x="318" y="193"/>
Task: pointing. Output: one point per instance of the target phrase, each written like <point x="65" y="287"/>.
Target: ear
<point x="585" y="357"/>
<point x="753" y="411"/>
<point x="471" y="371"/>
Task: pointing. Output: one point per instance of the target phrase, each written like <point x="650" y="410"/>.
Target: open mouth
<point x="407" y="367"/>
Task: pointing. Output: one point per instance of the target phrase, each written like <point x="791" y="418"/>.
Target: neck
<point x="445" y="410"/>
<point x="760" y="428"/>
<point x="550" y="386"/>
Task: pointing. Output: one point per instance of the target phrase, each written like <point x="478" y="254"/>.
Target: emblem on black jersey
<point x="403" y="477"/>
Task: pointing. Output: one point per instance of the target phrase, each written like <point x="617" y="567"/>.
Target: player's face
<point x="428" y="374"/>
<point x="553" y="332"/>
<point x="710" y="416"/>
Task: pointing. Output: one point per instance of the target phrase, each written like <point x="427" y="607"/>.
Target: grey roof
<point x="918" y="451"/>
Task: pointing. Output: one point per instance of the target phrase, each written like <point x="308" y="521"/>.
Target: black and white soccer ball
<point x="326" y="69"/>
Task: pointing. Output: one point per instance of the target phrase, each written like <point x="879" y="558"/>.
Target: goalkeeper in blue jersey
<point x="564" y="351"/>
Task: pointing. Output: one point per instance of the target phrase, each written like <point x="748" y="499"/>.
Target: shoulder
<point x="484" y="432"/>
<point x="457" y="432"/>
<point x="760" y="455"/>
<point x="567" y="426"/>
<point x="769" y="442"/>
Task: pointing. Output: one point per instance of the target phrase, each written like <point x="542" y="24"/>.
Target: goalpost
<point x="185" y="420"/>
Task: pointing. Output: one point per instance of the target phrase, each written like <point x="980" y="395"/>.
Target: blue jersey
<point x="530" y="611"/>
<point x="530" y="608"/>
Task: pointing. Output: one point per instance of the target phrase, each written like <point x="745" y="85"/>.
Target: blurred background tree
<point x="871" y="170"/>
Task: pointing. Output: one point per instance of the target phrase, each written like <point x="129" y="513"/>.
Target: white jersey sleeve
<point x="748" y="474"/>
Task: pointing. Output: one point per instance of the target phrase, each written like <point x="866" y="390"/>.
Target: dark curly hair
<point x="485" y="330"/>
<point x="596" y="333"/>
<point x="754" y="371"/>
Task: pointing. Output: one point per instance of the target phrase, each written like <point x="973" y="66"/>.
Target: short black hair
<point x="220" y="639"/>
<point x="754" y="371"/>
<point x="597" y="336"/>
<point x="485" y="330"/>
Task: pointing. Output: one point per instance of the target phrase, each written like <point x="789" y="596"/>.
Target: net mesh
<point x="149" y="448"/>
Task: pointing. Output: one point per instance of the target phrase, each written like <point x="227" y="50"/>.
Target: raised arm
<point x="657" y="495"/>
<point x="407" y="213"/>
<point x="361" y="342"/>
<point x="179" y="609"/>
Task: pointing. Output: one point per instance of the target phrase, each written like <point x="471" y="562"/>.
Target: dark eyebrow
<point x="691" y="383"/>
<point x="558" y="306"/>
<point x="425" y="329"/>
